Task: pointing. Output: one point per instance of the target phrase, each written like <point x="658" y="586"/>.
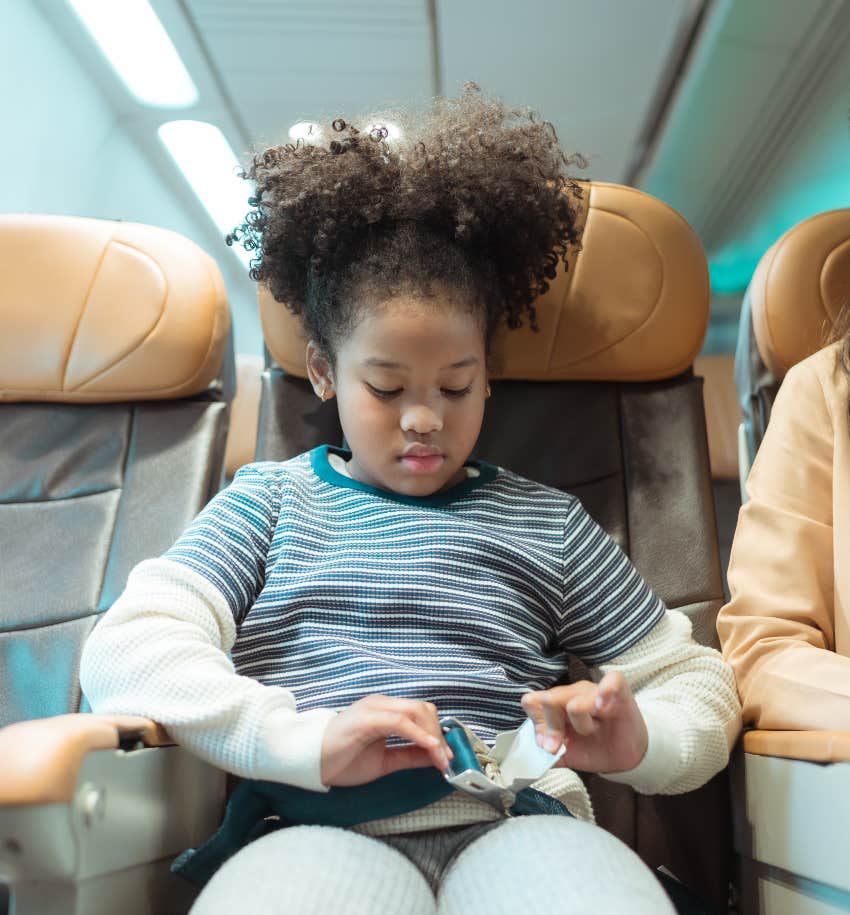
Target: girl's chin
<point x="421" y="484"/>
<point x="413" y="477"/>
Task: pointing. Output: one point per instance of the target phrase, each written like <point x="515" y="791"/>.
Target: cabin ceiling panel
<point x="281" y="62"/>
<point x="760" y="80"/>
<point x="596" y="70"/>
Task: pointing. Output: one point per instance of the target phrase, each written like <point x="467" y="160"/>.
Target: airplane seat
<point x="795" y="295"/>
<point x="790" y="788"/>
<point x="722" y="418"/>
<point x="601" y="402"/>
<point x="115" y="380"/>
<point x="244" y="410"/>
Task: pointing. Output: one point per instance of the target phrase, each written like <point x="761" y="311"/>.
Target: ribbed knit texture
<point x="528" y="864"/>
<point x="343" y="590"/>
<point x="327" y="590"/>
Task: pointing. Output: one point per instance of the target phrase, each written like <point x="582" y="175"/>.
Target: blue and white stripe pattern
<point x="466" y="599"/>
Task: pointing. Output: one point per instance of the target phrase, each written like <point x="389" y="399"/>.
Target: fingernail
<point x="552" y="744"/>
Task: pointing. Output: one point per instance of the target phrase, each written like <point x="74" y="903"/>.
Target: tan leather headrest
<point x="632" y="307"/>
<point x="798" y="289"/>
<point x="96" y="310"/>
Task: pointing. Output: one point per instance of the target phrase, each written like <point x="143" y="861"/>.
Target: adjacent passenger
<point x="786" y="629"/>
<point x="364" y="593"/>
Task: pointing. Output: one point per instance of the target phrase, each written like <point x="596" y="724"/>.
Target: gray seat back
<point x="112" y="430"/>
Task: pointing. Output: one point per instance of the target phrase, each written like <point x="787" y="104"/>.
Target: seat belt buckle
<point x="495" y="775"/>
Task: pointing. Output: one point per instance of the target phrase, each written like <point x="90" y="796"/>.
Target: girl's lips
<point x="426" y="463"/>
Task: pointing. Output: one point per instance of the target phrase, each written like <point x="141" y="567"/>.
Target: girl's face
<point x="410" y="383"/>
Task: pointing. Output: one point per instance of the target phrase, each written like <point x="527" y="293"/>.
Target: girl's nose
<point x="420" y="419"/>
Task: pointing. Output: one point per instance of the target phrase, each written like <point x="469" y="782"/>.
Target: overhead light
<point x="306" y="131"/>
<point x="209" y="165"/>
<point x="138" y="47"/>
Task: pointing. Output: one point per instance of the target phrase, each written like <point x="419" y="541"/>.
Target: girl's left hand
<point x="600" y="723"/>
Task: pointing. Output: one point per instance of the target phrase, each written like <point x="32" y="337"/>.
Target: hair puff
<point x="478" y="188"/>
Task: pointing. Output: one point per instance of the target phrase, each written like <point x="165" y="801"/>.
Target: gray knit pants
<point x="522" y="866"/>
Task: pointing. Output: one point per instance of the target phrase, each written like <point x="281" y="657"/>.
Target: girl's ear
<point x="319" y="371"/>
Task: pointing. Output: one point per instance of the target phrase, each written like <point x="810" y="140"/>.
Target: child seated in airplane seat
<point x="321" y="614"/>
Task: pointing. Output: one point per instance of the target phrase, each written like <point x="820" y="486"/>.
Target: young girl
<point x="365" y="593"/>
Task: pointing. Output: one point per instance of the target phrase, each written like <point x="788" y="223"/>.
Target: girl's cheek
<point x="375" y="413"/>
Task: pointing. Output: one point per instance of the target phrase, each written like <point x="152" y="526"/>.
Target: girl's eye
<point x="448" y="392"/>
<point x="378" y="392"/>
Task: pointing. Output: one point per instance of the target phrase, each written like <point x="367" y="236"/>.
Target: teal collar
<point x="323" y="469"/>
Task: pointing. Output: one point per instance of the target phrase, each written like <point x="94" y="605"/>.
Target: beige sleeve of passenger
<point x="778" y="628"/>
<point x="686" y="694"/>
<point x="161" y="651"/>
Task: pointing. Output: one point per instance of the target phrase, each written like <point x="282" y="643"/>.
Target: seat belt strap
<point x="257" y="807"/>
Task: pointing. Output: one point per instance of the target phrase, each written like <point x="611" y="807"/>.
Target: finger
<point x="546" y="709"/>
<point x="584" y="703"/>
<point x="424" y="714"/>
<point x="410" y="757"/>
<point x="612" y="693"/>
<point x="533" y="704"/>
<point x="558" y="695"/>
<point x="580" y="714"/>
<point x="397" y="724"/>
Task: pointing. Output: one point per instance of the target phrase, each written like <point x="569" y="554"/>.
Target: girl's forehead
<point x="411" y="332"/>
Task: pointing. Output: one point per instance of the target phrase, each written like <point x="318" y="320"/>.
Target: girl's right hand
<point x="354" y="748"/>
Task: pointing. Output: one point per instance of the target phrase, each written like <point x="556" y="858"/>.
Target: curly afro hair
<point x="472" y="206"/>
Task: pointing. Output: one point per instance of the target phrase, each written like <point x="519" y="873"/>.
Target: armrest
<point x="93" y="808"/>
<point x="42" y="758"/>
<point x="811" y="746"/>
<point x="791" y="804"/>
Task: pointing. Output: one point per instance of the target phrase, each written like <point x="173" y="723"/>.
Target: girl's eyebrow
<point x="387" y="364"/>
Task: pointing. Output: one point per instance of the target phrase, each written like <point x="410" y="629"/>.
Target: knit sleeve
<point x="686" y="693"/>
<point x="229" y="540"/>
<point x="607" y="607"/>
<point x="161" y="651"/>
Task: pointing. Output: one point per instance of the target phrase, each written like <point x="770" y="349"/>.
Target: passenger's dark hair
<point x="473" y="201"/>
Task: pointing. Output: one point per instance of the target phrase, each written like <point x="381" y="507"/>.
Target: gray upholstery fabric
<point x="86" y="492"/>
<point x="727" y="504"/>
<point x="757" y="385"/>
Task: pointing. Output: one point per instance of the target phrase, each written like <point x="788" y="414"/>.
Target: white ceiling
<point x="280" y="62"/>
<point x="761" y="99"/>
<point x="596" y="70"/>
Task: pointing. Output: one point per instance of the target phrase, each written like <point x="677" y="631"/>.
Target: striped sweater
<point x="324" y="590"/>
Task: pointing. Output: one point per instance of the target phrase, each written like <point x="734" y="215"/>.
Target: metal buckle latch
<point x="466" y="772"/>
<point x="495" y="775"/>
